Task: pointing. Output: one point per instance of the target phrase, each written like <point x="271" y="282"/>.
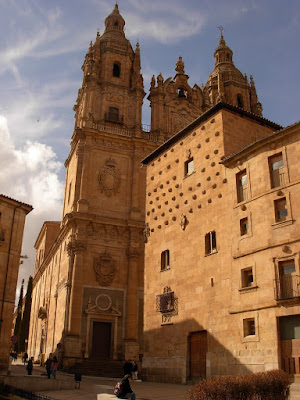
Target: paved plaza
<point x="91" y="386"/>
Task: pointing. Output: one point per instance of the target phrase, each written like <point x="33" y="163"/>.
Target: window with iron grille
<point x="165" y="302"/>
<point x="276" y="170"/>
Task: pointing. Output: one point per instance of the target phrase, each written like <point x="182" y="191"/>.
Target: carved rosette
<point x="105" y="269"/>
<point x="109" y="178"/>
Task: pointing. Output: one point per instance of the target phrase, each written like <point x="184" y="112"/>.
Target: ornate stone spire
<point x="115" y="22"/>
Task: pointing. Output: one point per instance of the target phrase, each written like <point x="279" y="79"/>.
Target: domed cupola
<point x="223" y="54"/>
<point x="115" y="22"/>
<point x="227" y="84"/>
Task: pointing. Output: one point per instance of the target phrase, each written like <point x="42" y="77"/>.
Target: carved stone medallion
<point x="109" y="177"/>
<point x="105" y="269"/>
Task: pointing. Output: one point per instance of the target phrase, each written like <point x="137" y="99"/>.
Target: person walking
<point x="29" y="366"/>
<point x="54" y="367"/>
<point x="134" y="370"/>
<point x="126" y="392"/>
<point x="48" y="364"/>
<point x="25" y="357"/>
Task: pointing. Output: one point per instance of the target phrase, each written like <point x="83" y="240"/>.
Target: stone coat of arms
<point x="109" y="177"/>
<point x="105" y="269"/>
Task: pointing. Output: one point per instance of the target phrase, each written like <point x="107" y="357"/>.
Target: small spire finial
<point x="221" y="30"/>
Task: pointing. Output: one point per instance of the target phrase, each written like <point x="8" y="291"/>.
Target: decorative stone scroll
<point x="109" y="178"/>
<point x="183" y="222"/>
<point x="105" y="269"/>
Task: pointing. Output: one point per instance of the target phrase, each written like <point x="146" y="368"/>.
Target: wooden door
<point x="290" y="344"/>
<point x="101" y="340"/>
<point x="198" y="350"/>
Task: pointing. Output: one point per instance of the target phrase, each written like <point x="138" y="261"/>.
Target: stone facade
<point x="12" y="221"/>
<point x="89" y="274"/>
<point x="222" y="258"/>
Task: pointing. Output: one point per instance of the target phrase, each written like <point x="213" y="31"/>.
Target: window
<point x="240" y="101"/>
<point x="244" y="226"/>
<point x="210" y="243"/>
<point x="288" y="283"/>
<point x="249" y="327"/>
<point x="165" y="260"/>
<point x="113" y="114"/>
<point x="276" y="170"/>
<point x="247" y="277"/>
<point x="116" y="70"/>
<point x="281" y="211"/>
<point x="189" y="167"/>
<point x="181" y="93"/>
<point x="242" y="186"/>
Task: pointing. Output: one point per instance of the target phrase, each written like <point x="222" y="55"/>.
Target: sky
<point x="42" y="47"/>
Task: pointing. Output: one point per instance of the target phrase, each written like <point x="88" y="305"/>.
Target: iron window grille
<point x="165" y="302"/>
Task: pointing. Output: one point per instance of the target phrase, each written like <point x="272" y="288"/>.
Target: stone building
<point x="89" y="271"/>
<point x="88" y="283"/>
<point x="12" y="221"/>
<point x="222" y="257"/>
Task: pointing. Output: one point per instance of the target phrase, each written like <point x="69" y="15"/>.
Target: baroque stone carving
<point x="105" y="269"/>
<point x="75" y="247"/>
<point x="146" y="232"/>
<point x="107" y="232"/>
<point x="109" y="178"/>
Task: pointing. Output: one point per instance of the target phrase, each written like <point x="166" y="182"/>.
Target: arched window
<point x="181" y="93"/>
<point x="116" y="70"/>
<point x="240" y="101"/>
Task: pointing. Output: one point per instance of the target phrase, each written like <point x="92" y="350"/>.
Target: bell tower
<point x="103" y="212"/>
<point x="227" y="84"/>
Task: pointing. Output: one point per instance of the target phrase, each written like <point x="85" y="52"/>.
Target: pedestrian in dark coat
<point x="134" y="370"/>
<point x="48" y="364"/>
<point x="29" y="366"/>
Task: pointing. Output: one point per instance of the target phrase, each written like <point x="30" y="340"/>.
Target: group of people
<point x="51" y="365"/>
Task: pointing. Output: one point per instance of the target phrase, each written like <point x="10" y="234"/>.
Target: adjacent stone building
<point x="12" y="221"/>
<point x="222" y="257"/>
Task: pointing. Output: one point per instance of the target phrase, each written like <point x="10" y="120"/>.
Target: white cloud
<point x="169" y="22"/>
<point x="31" y="175"/>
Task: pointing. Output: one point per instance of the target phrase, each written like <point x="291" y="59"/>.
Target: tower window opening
<point x="182" y="93"/>
<point x="116" y="23"/>
<point x="240" y="101"/>
<point x="116" y="70"/>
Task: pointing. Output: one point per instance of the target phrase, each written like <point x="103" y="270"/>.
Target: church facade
<point x="90" y="280"/>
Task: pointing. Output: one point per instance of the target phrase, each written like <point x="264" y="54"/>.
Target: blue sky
<point x="42" y="48"/>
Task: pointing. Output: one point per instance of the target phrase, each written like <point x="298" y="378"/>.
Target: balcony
<point x="287" y="287"/>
